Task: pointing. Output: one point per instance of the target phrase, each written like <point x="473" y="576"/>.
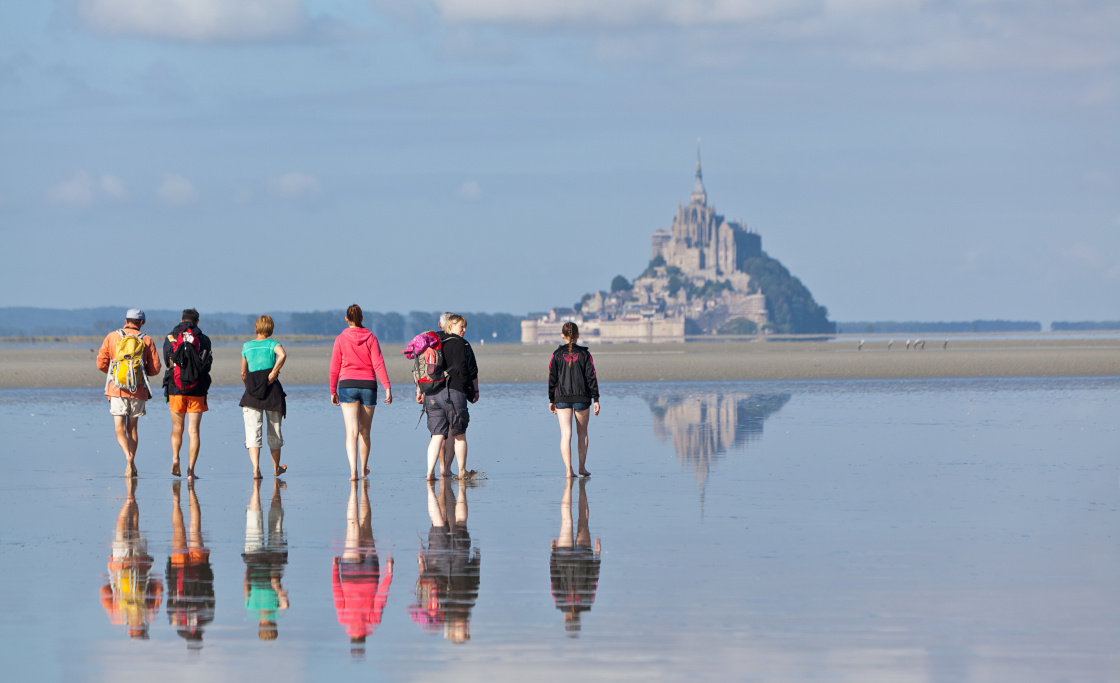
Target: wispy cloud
<point x="175" y="190"/>
<point x="895" y="34"/>
<point x="296" y="185"/>
<point x="114" y="187"/>
<point x="83" y="190"/>
<point x="77" y="191"/>
<point x="469" y="191"/>
<point x="197" y="21"/>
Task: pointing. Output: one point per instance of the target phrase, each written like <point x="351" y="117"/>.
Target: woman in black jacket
<point x="572" y="390"/>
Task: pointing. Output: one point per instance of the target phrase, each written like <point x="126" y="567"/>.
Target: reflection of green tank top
<point x="260" y="355"/>
<point x="262" y="597"/>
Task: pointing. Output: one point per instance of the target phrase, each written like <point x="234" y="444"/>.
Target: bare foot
<point x="571" y="474"/>
<point x="175" y="468"/>
<point x="584" y="473"/>
<point x="366" y="473"/>
<point x="468" y="475"/>
<point x="280" y="470"/>
<point x="257" y="475"/>
<point x="191" y="475"/>
<point x="353" y="477"/>
<point x="431" y="477"/>
<point x="447" y="474"/>
<point x="131" y="471"/>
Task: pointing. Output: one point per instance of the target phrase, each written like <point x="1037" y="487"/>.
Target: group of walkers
<point x="445" y="374"/>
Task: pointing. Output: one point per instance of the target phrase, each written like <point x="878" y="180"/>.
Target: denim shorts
<point x="367" y="397"/>
<point x="578" y="406"/>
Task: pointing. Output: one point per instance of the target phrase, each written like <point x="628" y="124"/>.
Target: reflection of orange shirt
<point x="132" y="597"/>
<point x="185" y="557"/>
<point x="109" y="350"/>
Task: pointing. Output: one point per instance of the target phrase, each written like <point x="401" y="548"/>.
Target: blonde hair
<point x="453" y="320"/>
<point x="264" y="326"/>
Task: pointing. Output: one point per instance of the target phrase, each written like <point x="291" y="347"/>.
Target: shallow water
<point x="935" y="530"/>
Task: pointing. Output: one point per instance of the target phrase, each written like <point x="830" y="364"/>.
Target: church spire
<point x="699" y="196"/>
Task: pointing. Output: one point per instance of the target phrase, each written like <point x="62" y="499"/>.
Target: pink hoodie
<point x="357" y="355"/>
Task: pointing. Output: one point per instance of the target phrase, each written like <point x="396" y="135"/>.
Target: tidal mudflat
<point x="941" y="530"/>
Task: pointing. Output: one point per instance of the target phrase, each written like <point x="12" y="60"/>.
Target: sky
<point x="906" y="159"/>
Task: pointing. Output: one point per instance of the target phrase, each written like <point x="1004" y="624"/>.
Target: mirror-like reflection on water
<point x="939" y="531"/>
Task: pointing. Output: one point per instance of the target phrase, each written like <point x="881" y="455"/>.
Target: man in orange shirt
<point x="127" y="392"/>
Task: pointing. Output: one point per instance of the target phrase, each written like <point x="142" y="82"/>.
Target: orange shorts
<point x="188" y="404"/>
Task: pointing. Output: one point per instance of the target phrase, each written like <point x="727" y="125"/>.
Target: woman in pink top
<point x="355" y="362"/>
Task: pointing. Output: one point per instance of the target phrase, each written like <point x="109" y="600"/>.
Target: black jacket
<point x="206" y="356"/>
<point x="261" y="395"/>
<point x="571" y="376"/>
<point x="462" y="369"/>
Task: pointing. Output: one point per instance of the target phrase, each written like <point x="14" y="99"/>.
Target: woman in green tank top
<point x="263" y="403"/>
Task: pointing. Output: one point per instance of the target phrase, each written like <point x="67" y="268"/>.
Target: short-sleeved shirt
<point x="260" y="355"/>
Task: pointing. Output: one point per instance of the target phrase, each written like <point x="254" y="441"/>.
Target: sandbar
<point x="72" y="365"/>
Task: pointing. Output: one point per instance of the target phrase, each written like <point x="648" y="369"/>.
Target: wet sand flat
<point x="70" y="365"/>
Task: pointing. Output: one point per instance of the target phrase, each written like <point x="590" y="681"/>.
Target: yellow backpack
<point x="126" y="370"/>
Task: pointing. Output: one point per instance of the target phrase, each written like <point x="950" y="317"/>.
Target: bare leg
<point x="581" y="440"/>
<point x="255" y="459"/>
<point x="125" y="428"/>
<point x="446" y="456"/>
<point x="461" y="506"/>
<point x="193" y="422"/>
<point x="565" y="538"/>
<point x="565" y="417"/>
<point x="177" y="420"/>
<point x="435" y="450"/>
<point x="195" y="539"/>
<point x="350" y="417"/>
<point x="435" y="504"/>
<point x="351" y="552"/>
<point x="277" y="468"/>
<point x="365" y="421"/>
<point x="583" y="532"/>
<point x="461" y="455"/>
<point x="178" y="531"/>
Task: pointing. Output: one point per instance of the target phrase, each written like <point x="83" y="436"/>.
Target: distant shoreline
<point x="72" y="366"/>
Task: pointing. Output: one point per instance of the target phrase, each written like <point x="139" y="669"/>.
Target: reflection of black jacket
<point x="575" y="576"/>
<point x="571" y="376"/>
<point x="462" y="369"/>
<point x="206" y="354"/>
<point x="261" y="395"/>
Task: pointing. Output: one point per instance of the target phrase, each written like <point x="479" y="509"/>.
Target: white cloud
<point x="1083" y="253"/>
<point x="175" y="190"/>
<point x="295" y="185"/>
<point x="198" y="21"/>
<point x="78" y="191"/>
<point x="114" y="187"/>
<point x="894" y="34"/>
<point x="470" y="191"/>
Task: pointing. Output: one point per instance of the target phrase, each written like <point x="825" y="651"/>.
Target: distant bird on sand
<point x="890" y="344"/>
<point x="860" y="347"/>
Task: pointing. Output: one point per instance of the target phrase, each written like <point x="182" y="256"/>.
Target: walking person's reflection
<point x="447" y="588"/>
<point x="266" y="553"/>
<point x="360" y="589"/>
<point x="133" y="594"/>
<point x="574" y="566"/>
<point x="190" y="579"/>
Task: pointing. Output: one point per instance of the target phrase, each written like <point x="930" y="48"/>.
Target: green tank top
<point x="260" y="355"/>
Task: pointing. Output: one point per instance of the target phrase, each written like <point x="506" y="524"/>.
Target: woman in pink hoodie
<point x="355" y="362"/>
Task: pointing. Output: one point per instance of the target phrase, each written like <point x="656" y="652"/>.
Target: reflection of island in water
<point x="704" y="427"/>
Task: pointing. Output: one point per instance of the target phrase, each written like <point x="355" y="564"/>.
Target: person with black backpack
<point x="188" y="355"/>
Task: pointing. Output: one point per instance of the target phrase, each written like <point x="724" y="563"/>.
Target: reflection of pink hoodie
<point x="357" y="355"/>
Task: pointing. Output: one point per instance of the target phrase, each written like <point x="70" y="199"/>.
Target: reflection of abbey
<point x="696" y="283"/>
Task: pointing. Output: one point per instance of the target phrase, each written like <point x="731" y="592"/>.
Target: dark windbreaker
<point x="571" y="376"/>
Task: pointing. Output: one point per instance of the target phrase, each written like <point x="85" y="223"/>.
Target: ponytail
<point x="571" y="332"/>
<point x="354" y="314"/>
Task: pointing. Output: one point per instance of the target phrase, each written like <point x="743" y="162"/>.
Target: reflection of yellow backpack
<point x="126" y="370"/>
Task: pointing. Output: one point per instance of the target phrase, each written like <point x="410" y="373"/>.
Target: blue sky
<point x="907" y="159"/>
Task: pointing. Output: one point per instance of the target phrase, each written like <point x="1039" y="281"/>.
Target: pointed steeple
<point x="699" y="196"/>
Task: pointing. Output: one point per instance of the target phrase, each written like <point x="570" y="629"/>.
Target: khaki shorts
<point x="122" y="406"/>
<point x="188" y="404"/>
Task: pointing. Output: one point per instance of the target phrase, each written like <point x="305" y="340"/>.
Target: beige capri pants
<point x="269" y="420"/>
